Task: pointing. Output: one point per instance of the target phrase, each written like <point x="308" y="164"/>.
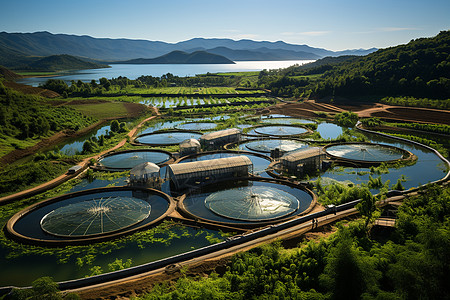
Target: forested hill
<point x="61" y="62"/>
<point x="420" y="68"/>
<point x="180" y="57"/>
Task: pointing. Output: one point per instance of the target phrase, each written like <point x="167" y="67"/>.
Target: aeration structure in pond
<point x="367" y="153"/>
<point x="246" y="202"/>
<point x="128" y="159"/>
<point x="166" y="138"/>
<point x="89" y="216"/>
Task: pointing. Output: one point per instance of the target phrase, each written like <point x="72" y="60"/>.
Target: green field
<point x="180" y="90"/>
<point x="102" y="110"/>
<point x="37" y="74"/>
<point x="239" y="74"/>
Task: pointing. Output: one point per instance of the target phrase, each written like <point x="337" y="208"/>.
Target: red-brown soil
<point x="400" y="113"/>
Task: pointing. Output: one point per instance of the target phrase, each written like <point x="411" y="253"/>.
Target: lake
<point x="132" y="71"/>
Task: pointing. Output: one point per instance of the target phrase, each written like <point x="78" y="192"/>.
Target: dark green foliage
<point x="48" y="63"/>
<point x="42" y="288"/>
<point x="25" y="116"/>
<point x="15" y="178"/>
<point x="414" y="264"/>
<point x="349" y="271"/>
<point x="436" y="128"/>
<point x="118" y="127"/>
<point x="367" y="206"/>
<point x="417" y="102"/>
<point x="419" y="69"/>
<point x="371" y="122"/>
<point x="346" y="119"/>
<point x="398" y="186"/>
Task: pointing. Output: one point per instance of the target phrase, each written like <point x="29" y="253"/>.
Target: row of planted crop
<point x="166" y="102"/>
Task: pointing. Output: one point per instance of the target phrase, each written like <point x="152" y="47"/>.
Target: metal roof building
<point x="185" y="175"/>
<point x="217" y="139"/>
<point x="304" y="160"/>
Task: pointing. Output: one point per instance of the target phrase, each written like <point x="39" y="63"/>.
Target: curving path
<point x="84" y="164"/>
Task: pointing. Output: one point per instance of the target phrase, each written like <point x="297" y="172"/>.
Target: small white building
<point x="189" y="146"/>
<point x="146" y="174"/>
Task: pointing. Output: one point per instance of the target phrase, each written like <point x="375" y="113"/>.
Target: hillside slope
<point x="420" y="68"/>
<point x="61" y="62"/>
<point x="180" y="57"/>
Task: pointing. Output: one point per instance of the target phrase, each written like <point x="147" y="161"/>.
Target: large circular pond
<point x="95" y="216"/>
<point x="130" y="159"/>
<point x="167" y="138"/>
<point x="267" y="145"/>
<point x="365" y="152"/>
<point x="260" y="163"/>
<point x="252" y="203"/>
<point x="96" y="213"/>
<point x="197" y="126"/>
<point x="246" y="202"/>
<point x="277" y="130"/>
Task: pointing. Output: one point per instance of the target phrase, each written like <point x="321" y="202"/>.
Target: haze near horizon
<point x="327" y="24"/>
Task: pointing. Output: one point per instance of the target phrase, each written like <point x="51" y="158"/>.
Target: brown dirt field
<point x="84" y="102"/>
<point x="135" y="109"/>
<point x="27" y="89"/>
<point x="412" y="114"/>
<point x="415" y="115"/>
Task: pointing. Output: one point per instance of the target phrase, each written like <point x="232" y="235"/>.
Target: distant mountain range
<point x="180" y="57"/>
<point x="16" y="48"/>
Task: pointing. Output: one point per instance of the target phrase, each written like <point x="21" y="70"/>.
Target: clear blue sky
<point x="331" y="24"/>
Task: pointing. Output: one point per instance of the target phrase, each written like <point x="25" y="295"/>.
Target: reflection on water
<point x="329" y="131"/>
<point x="76" y="145"/>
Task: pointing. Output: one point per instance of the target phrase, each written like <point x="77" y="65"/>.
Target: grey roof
<point x="211" y="164"/>
<point x="303" y="153"/>
<point x="220" y="133"/>
<point x="189" y="143"/>
<point x="144" y="168"/>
